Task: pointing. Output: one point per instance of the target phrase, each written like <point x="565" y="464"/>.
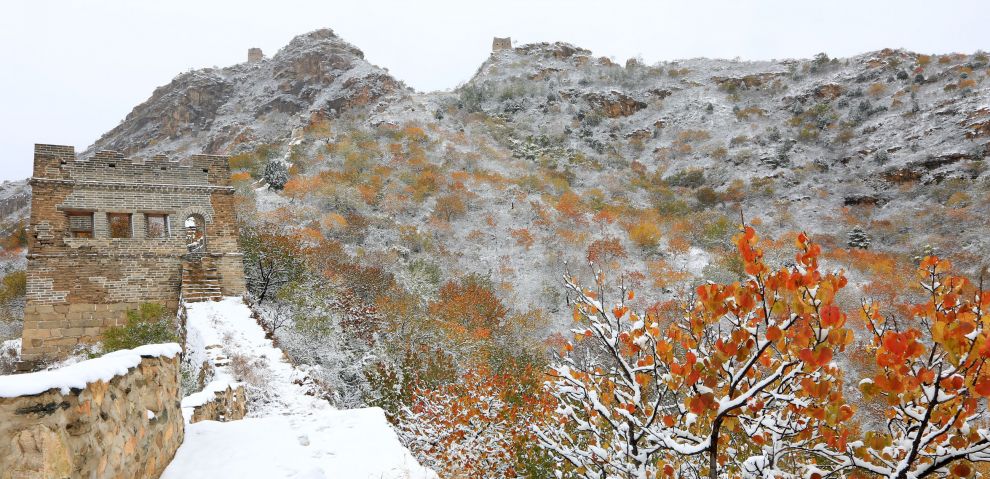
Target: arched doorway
<point x="195" y="233"/>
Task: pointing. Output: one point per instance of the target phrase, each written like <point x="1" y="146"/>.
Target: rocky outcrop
<point x="114" y="416"/>
<point x="208" y="110"/>
<point x="754" y="81"/>
<point x="557" y="50"/>
<point x="977" y="124"/>
<point x="613" y="104"/>
<point x="15" y="198"/>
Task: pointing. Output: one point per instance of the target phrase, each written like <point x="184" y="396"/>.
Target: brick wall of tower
<point x="77" y="287"/>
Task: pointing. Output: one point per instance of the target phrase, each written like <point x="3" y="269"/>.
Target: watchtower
<point x="255" y="55"/>
<point x="501" y="44"/>
<point x="109" y="233"/>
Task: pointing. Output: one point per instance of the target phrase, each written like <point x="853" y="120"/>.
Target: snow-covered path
<point x="287" y="433"/>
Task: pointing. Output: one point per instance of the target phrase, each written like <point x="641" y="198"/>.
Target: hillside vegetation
<point x="432" y="253"/>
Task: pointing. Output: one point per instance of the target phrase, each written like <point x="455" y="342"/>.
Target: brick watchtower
<point x="110" y="233"/>
<point x="255" y="55"/>
<point x="501" y="44"/>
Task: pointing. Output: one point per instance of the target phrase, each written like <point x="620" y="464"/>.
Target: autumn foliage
<point x="933" y="379"/>
<point x="744" y="379"/>
<point x="478" y="427"/>
<point x="468" y="308"/>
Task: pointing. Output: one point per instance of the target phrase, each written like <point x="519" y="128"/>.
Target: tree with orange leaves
<point x="933" y="375"/>
<point x="740" y="382"/>
<point x="468" y="308"/>
<point x="603" y="251"/>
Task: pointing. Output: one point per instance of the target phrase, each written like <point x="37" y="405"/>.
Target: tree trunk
<point x="713" y="450"/>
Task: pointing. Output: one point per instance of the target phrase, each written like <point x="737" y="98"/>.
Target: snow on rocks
<point x="288" y="432"/>
<point x="78" y="375"/>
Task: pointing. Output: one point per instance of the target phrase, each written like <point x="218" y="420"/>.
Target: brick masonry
<point x="255" y="55"/>
<point x="77" y="287"/>
<point x="501" y="44"/>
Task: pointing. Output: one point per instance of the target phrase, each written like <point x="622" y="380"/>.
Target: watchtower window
<point x="120" y="225"/>
<point x="195" y="233"/>
<point x="157" y="225"/>
<point x="81" y="224"/>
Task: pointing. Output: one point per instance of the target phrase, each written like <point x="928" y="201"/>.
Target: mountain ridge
<point x="818" y="144"/>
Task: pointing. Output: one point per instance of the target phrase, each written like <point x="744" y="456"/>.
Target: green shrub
<point x="689" y="178"/>
<point x="13" y="286"/>
<point x="707" y="197"/>
<point x="148" y="325"/>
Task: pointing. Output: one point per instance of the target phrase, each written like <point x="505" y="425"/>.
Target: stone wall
<point x="79" y="286"/>
<point x="129" y="425"/>
<point x="226" y="405"/>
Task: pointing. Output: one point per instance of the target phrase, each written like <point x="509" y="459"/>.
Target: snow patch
<point x="77" y="376"/>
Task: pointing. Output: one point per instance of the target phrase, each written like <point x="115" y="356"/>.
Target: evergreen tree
<point x="858" y="239"/>
<point x="276" y="174"/>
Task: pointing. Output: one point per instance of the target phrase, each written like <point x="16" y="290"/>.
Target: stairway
<point x="200" y="279"/>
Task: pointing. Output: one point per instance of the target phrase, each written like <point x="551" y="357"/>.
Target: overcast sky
<point x="71" y="70"/>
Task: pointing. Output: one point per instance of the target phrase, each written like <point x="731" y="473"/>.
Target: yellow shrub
<point x="646" y="234"/>
<point x="877" y="89"/>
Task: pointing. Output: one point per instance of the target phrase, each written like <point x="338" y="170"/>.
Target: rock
<point x="613" y="104"/>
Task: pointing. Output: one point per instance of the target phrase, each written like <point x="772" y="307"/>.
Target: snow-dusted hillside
<point x="478" y="180"/>
<point x="15" y="204"/>
<point x="289" y="432"/>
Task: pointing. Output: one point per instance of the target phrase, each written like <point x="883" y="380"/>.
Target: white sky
<point x="71" y="70"/>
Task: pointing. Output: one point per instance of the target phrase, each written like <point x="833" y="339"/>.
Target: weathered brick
<point x="77" y="284"/>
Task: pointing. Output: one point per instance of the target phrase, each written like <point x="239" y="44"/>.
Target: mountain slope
<point x="509" y="175"/>
<point x="215" y="110"/>
<point x="15" y="204"/>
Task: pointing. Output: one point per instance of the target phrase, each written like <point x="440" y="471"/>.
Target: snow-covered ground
<point x="287" y="433"/>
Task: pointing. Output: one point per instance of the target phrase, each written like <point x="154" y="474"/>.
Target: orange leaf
<point x="832" y="317"/>
<point x="982" y="386"/>
<point x="774" y="333"/>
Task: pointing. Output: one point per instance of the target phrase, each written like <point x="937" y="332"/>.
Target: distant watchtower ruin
<point x="501" y="44"/>
<point x="109" y="233"/>
<point x="255" y="55"/>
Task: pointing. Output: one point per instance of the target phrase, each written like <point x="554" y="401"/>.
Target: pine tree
<point x="858" y="239"/>
<point x="276" y="174"/>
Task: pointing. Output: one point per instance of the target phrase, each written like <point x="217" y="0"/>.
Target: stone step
<point x="201" y="280"/>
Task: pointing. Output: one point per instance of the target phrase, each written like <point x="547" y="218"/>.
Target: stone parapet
<point x="57" y="329"/>
<point x="226" y="405"/>
<point x="114" y="416"/>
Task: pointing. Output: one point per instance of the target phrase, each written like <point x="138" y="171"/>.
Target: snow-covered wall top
<point x="114" y="416"/>
<point x="77" y="376"/>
